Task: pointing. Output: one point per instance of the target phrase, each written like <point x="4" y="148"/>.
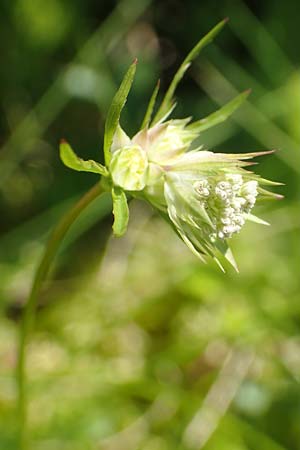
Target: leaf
<point x="115" y="109"/>
<point x="167" y="101"/>
<point x="120" y="211"/>
<point x="71" y="160"/>
<point x="220" y="115"/>
<point x="150" y="107"/>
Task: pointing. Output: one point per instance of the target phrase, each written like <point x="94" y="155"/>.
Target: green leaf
<point x="150" y="107"/>
<point x="220" y="115"/>
<point x="120" y="211"/>
<point x="71" y="160"/>
<point x="167" y="101"/>
<point x="115" y="109"/>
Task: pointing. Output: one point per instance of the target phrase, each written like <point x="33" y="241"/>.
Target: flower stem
<point x="30" y="307"/>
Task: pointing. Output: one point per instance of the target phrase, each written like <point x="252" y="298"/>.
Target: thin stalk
<point x="30" y="308"/>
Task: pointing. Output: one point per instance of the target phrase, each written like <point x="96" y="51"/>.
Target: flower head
<point x="207" y="196"/>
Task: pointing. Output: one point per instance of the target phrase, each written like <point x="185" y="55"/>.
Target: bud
<point x="165" y="141"/>
<point x="128" y="168"/>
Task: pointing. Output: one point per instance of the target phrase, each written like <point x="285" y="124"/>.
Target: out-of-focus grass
<point x="137" y="344"/>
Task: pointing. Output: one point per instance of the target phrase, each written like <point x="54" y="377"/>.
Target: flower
<point x="207" y="196"/>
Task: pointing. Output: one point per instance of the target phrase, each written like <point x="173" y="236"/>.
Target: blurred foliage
<point x="137" y="344"/>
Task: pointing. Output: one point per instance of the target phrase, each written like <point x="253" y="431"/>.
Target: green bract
<point x="206" y="196"/>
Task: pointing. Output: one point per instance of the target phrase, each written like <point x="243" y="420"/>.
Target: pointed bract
<point x="114" y="112"/>
<point x="220" y="115"/>
<point x="150" y="107"/>
<point x="167" y="101"/>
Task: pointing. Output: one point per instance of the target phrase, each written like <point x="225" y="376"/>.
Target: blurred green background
<point x="138" y="345"/>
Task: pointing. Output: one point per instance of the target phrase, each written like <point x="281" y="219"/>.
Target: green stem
<point x="29" y="311"/>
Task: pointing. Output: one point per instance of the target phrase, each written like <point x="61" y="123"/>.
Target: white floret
<point x="227" y="201"/>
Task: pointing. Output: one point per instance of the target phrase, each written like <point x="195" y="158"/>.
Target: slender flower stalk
<point x="30" y="307"/>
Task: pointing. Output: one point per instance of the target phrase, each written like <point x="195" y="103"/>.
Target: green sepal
<point x="220" y="115"/>
<point x="120" y="211"/>
<point x="115" y="109"/>
<point x="71" y="160"/>
<point x="167" y="101"/>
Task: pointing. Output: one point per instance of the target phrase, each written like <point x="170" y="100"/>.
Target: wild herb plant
<point x="205" y="196"/>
